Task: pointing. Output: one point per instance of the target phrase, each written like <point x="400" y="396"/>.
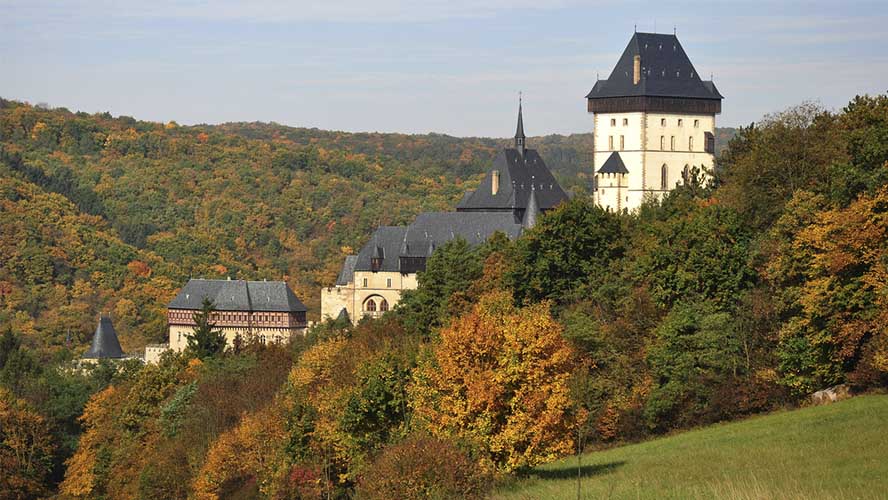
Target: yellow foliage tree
<point x="499" y="378"/>
<point x="80" y="479"/>
<point x="26" y="449"/>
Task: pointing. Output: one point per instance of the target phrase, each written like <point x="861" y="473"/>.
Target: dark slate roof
<point x="517" y="172"/>
<point x="104" y="342"/>
<point x="666" y="71"/>
<point x="429" y="231"/>
<point x="532" y="211"/>
<point x="238" y="295"/>
<point x="387" y="239"/>
<point x="347" y="274"/>
<point x="343" y="315"/>
<point x="614" y="165"/>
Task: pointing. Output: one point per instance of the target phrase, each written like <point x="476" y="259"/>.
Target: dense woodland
<point x="732" y="296"/>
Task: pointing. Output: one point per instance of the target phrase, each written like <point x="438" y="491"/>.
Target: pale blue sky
<point x="448" y="66"/>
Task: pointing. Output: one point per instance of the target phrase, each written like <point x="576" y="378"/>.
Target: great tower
<point x="654" y="120"/>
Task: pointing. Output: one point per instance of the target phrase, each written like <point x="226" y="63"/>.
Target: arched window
<point x="370" y="305"/>
<point x="690" y="143"/>
<point x="685" y="173"/>
<point x="664" y="177"/>
<point x="662" y="143"/>
<point x="383" y="305"/>
<point x="622" y="143"/>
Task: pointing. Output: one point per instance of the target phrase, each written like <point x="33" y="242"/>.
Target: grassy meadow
<point x="834" y="451"/>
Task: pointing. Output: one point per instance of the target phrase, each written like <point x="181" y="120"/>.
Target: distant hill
<point x="835" y="451"/>
<point x="246" y="200"/>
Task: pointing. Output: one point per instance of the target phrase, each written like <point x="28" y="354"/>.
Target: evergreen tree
<point x="206" y="340"/>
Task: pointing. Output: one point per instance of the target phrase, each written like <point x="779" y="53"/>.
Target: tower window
<point x="680" y="122"/>
<point x="662" y="122"/>
<point x="672" y="143"/>
<point x="622" y="143"/>
<point x="690" y="143"/>
<point x="696" y="123"/>
<point x="365" y="282"/>
<point x="625" y="122"/>
<point x="610" y="142"/>
<point x="613" y="122"/>
<point x="662" y="143"/>
<point x="663" y="177"/>
<point x="388" y="282"/>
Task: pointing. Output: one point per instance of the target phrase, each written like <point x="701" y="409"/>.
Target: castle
<point x="518" y="187"/>
<point x="654" y="119"/>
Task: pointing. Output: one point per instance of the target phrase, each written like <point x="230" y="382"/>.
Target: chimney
<point x="636" y="70"/>
<point x="494" y="182"/>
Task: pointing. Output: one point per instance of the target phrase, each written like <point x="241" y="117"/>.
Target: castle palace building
<point x="266" y="311"/>
<point x="518" y="187"/>
<point x="654" y="120"/>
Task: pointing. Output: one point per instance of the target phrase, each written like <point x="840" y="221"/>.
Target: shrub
<point x="421" y="467"/>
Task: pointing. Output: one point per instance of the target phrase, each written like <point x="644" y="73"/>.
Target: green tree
<point x="694" y="350"/>
<point x="451" y="269"/>
<point x="569" y="255"/>
<point x="206" y="340"/>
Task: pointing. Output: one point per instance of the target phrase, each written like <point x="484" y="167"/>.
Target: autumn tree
<point x="836" y="289"/>
<point x="498" y="377"/>
<point x="26" y="450"/>
<point x="205" y="340"/>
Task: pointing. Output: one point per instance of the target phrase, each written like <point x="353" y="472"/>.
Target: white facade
<point x="650" y="145"/>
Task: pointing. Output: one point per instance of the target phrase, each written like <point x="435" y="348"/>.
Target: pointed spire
<point x="532" y="211"/>
<point x="519" y="132"/>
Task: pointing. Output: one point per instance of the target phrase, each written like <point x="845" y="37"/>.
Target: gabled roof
<point x="517" y="173"/>
<point x="666" y="71"/>
<point x="613" y="165"/>
<point x="238" y="295"/>
<point x="429" y="231"/>
<point x="104" y="343"/>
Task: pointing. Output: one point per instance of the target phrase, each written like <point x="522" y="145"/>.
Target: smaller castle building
<point x="267" y="311"/>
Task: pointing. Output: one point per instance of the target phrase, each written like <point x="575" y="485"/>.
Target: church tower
<point x="654" y="119"/>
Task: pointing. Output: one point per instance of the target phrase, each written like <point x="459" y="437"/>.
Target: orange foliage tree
<point x="498" y="378"/>
<point x="26" y="449"/>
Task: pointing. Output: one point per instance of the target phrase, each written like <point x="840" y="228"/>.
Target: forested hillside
<point x="727" y="298"/>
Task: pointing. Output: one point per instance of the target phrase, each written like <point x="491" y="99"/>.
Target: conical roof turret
<point x="104" y="342"/>
<point x="532" y="211"/>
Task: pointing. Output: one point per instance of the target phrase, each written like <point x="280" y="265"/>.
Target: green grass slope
<point x="834" y="451"/>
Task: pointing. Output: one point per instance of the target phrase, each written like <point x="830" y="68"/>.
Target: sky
<point x="447" y="66"/>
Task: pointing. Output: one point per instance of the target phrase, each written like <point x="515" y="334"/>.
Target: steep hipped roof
<point x="666" y="71"/>
<point x="613" y="165"/>
<point x="347" y="274"/>
<point x="238" y="295"/>
<point x="104" y="343"/>
<point x="517" y="173"/>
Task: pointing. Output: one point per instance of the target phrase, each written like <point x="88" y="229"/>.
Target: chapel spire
<point x="519" y="133"/>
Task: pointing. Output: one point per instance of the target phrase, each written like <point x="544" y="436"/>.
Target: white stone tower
<point x="654" y="120"/>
